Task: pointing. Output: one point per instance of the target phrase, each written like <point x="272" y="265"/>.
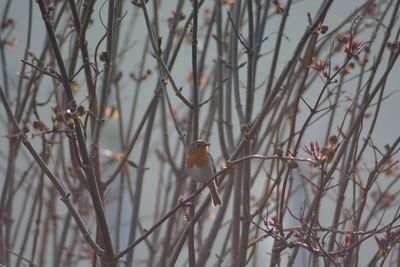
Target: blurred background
<point x="128" y="100"/>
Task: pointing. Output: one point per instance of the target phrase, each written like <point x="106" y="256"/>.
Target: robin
<point x="200" y="166"/>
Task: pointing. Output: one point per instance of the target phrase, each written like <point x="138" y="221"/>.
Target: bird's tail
<point x="215" y="197"/>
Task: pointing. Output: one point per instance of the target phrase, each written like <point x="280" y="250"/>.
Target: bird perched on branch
<point x="200" y="166"/>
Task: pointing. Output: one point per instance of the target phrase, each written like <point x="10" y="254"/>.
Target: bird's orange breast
<point x="199" y="157"/>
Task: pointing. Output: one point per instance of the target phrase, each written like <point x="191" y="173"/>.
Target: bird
<point x="200" y="167"/>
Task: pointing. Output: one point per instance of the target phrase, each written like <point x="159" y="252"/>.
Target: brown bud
<point x="80" y="111"/>
<point x="333" y="140"/>
<point x="39" y="125"/>
<point x="104" y="56"/>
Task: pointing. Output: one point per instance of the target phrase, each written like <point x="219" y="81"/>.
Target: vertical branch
<point x="277" y="49"/>
<point x="235" y="239"/>
<point x="219" y="78"/>
<point x="139" y="182"/>
<point x="196" y="107"/>
<point x="233" y="53"/>
<point x="246" y="217"/>
<point x="93" y="155"/>
<point x="237" y="183"/>
<point x="108" y="59"/>
<point x="195" y="125"/>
